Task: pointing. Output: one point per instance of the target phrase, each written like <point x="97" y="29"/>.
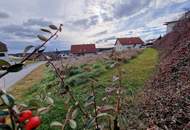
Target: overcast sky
<point x="85" y="21"/>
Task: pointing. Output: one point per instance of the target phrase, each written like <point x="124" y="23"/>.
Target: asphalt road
<point x="12" y="78"/>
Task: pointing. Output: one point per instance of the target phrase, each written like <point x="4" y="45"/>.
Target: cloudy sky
<point x="85" y="21"/>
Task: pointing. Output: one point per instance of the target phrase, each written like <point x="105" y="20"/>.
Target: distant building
<point x="170" y="26"/>
<point x="82" y="49"/>
<point x="4" y="52"/>
<point x="148" y="43"/>
<point x="122" y="44"/>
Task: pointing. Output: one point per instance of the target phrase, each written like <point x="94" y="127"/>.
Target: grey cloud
<point x="4" y="15"/>
<point x="106" y="17"/>
<point x="100" y="33"/>
<point x="152" y="29"/>
<point x="86" y="22"/>
<point x="93" y="20"/>
<point x="19" y="31"/>
<point x="134" y="22"/>
<point x="106" y="39"/>
<point x="81" y="22"/>
<point x="130" y="7"/>
<point x="26" y="29"/>
<point x="38" y="22"/>
<point x="149" y="14"/>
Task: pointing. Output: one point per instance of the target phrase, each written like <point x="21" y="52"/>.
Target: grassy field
<point x="137" y="71"/>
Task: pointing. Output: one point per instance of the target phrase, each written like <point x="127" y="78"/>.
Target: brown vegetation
<point x="92" y="58"/>
<point x="167" y="96"/>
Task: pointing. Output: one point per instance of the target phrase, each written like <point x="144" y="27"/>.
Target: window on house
<point x="2" y="54"/>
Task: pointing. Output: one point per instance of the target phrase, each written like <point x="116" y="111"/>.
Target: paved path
<point x="11" y="78"/>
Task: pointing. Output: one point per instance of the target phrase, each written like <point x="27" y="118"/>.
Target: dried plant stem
<point x="95" y="106"/>
<point x="118" y="102"/>
<point x="64" y="124"/>
<point x="110" y="124"/>
<point x="66" y="119"/>
<point x="56" y="71"/>
<point x="119" y="91"/>
<point x="12" y="118"/>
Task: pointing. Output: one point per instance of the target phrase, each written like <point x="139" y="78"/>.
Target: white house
<point x="122" y="44"/>
<point x="4" y="52"/>
<point x="170" y="26"/>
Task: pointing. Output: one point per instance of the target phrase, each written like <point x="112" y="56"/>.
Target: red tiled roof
<point x="83" y="48"/>
<point x="130" y="41"/>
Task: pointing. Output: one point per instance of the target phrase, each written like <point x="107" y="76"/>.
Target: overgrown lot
<point x="137" y="72"/>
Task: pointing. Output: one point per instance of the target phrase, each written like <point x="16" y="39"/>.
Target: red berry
<point x="33" y="123"/>
<point x="25" y="115"/>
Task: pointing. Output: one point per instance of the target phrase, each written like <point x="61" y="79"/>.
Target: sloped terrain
<point x="167" y="96"/>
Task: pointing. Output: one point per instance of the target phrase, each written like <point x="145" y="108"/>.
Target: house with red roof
<point x="122" y="44"/>
<point x="82" y="49"/>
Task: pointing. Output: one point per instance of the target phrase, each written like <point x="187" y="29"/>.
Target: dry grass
<point x="23" y="85"/>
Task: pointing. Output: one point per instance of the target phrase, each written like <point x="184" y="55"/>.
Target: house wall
<point x="138" y="46"/>
<point x="5" y="57"/>
<point x="82" y="54"/>
<point x="119" y="47"/>
<point x="170" y="27"/>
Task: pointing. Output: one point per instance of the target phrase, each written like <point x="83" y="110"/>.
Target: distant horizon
<point x="85" y="21"/>
<point x="58" y="50"/>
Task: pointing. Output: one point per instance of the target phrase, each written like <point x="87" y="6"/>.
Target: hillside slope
<point x="167" y="96"/>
